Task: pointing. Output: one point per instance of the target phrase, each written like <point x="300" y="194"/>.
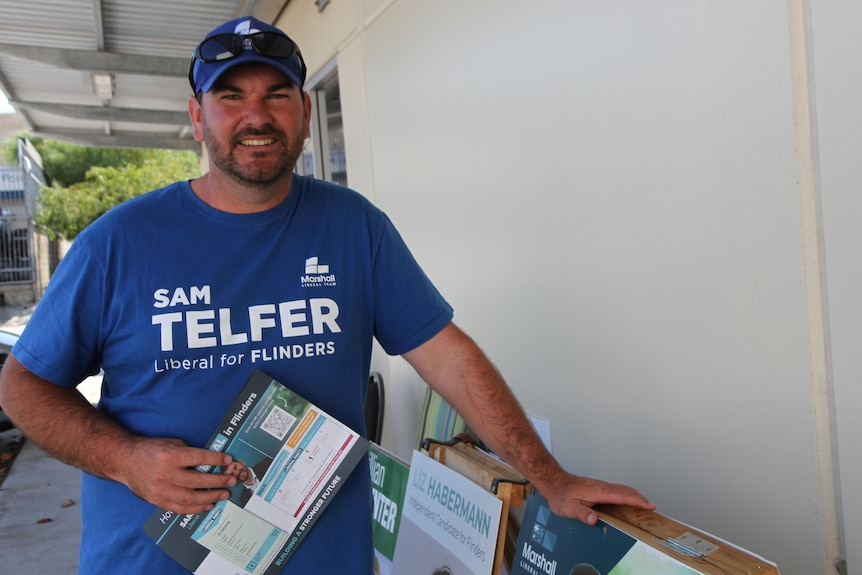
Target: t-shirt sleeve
<point x="409" y="310"/>
<point x="60" y="341"/>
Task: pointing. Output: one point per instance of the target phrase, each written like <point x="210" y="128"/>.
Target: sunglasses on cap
<point x="221" y="47"/>
<point x="226" y="46"/>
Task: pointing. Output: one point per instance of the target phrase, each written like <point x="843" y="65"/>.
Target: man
<point x="247" y="478"/>
<point x="179" y="293"/>
<point x="243" y="474"/>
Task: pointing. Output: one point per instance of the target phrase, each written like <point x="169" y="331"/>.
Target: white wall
<point x="607" y="194"/>
<point x="837" y="51"/>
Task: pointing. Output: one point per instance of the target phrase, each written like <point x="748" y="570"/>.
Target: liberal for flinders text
<point x="295" y="457"/>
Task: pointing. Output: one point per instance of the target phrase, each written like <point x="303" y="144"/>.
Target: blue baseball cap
<point x="241" y="41"/>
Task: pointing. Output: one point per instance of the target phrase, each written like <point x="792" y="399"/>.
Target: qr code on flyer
<point x="278" y="422"/>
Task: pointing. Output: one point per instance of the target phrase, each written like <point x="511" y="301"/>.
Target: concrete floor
<point x="38" y="534"/>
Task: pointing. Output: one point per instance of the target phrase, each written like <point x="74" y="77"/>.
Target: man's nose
<point x="257" y="111"/>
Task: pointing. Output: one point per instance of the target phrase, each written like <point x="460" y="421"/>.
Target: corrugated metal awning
<point x="50" y="51"/>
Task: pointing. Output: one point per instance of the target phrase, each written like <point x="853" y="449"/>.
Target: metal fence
<point x="17" y="264"/>
<point x="16" y="249"/>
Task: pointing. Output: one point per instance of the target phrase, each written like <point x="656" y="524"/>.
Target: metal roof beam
<point x="10" y="95"/>
<point x="96" y="61"/>
<point x="266" y="10"/>
<point x="98" y="23"/>
<point x="135" y="140"/>
<point x="107" y="114"/>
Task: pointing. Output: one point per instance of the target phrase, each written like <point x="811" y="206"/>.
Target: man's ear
<point x="195" y="116"/>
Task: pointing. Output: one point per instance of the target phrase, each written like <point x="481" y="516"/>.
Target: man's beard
<point x="253" y="176"/>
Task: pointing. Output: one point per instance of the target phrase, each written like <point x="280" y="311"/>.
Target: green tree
<point x="66" y="164"/>
<point x="85" y="182"/>
<point x="66" y="211"/>
<point x="10" y="149"/>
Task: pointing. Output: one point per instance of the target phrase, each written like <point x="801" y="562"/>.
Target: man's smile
<point x="257" y="142"/>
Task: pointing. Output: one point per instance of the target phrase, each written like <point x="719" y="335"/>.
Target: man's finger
<point x="198" y="457"/>
<point x="192" y="501"/>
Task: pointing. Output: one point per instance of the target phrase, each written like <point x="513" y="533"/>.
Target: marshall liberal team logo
<point x="317" y="274"/>
<point x="540" y="535"/>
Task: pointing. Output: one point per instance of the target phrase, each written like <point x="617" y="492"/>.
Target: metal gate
<point x="18" y="190"/>
<point x="16" y="249"/>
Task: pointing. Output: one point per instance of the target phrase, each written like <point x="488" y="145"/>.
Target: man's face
<point x="254" y="122"/>
<point x="239" y="470"/>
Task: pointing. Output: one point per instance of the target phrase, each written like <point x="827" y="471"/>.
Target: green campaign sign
<point x="388" y="485"/>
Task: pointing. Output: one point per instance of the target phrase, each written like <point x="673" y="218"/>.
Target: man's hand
<point x="574" y="496"/>
<point x="162" y="471"/>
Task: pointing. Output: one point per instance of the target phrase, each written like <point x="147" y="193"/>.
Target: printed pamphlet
<point x="290" y="457"/>
<point x="449" y="524"/>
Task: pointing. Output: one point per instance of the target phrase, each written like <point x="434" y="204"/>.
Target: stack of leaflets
<point x="290" y="458"/>
<point x="552" y="545"/>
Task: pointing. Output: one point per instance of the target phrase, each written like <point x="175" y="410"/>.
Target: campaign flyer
<point x="552" y="545"/>
<point x="290" y="459"/>
<point x="448" y="524"/>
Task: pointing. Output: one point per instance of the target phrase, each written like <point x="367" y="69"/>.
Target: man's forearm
<point x="62" y="422"/>
<point x="160" y="470"/>
<point x="461" y="373"/>
<point x="453" y="364"/>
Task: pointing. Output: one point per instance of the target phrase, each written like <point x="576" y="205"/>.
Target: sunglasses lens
<point x="273" y="45"/>
<point x="219" y="47"/>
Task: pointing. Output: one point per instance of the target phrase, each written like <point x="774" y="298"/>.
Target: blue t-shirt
<point x="177" y="302"/>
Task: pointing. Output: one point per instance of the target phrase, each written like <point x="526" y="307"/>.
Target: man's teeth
<point x="257" y="142"/>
